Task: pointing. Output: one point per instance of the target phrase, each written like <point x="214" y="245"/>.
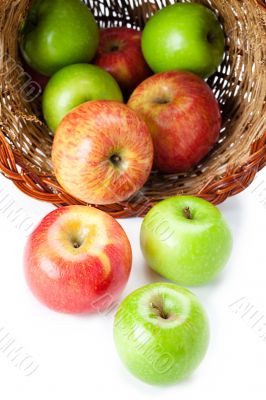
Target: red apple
<point x="42" y="80"/>
<point x="183" y="116"/>
<point x="120" y="54"/>
<point x="77" y="260"/>
<point x="102" y="152"/>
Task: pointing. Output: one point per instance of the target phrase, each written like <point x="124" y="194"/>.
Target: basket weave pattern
<point x="239" y="85"/>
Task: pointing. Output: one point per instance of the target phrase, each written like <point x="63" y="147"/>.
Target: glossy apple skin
<point x="161" y="350"/>
<point x="77" y="280"/>
<point x="183" y="116"/>
<point x="186" y="251"/>
<point x="57" y="33"/>
<point x="120" y="54"/>
<point x="74" y="85"/>
<point x="84" y="146"/>
<point x="184" y="37"/>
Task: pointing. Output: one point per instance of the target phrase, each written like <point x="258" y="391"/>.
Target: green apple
<point x="74" y="85"/>
<point x="161" y="333"/>
<point x="184" y="36"/>
<point x="57" y="33"/>
<point x="186" y="239"/>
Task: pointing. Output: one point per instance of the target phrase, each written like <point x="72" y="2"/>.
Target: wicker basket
<point x="239" y="84"/>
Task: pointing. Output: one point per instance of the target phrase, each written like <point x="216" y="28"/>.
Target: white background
<point x="76" y="356"/>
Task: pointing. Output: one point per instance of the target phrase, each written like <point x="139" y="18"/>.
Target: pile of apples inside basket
<point x="104" y="150"/>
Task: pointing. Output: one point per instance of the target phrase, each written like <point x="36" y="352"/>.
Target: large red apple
<point x="120" y="54"/>
<point x="77" y="260"/>
<point x="183" y="116"/>
<point x="102" y="152"/>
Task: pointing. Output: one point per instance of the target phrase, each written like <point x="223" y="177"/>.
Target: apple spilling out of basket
<point x="79" y="258"/>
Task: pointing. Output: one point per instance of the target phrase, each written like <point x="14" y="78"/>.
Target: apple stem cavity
<point x="114" y="48"/>
<point x="115" y="160"/>
<point x="159" y="311"/>
<point x="76" y="243"/>
<point x="161" y="101"/>
<point x="187" y="213"/>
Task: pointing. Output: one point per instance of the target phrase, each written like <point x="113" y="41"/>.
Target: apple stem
<point x="114" y="48"/>
<point x="187" y="213"/>
<point x="159" y="311"/>
<point x="161" y="101"/>
<point x="115" y="159"/>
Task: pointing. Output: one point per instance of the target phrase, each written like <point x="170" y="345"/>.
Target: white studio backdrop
<point x="46" y="355"/>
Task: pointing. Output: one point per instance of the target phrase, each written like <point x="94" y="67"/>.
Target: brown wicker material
<point x="240" y="86"/>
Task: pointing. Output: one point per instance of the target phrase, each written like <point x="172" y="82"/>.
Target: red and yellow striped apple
<point x="77" y="260"/>
<point x="102" y="152"/>
<point x="120" y="54"/>
<point x="183" y="116"/>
